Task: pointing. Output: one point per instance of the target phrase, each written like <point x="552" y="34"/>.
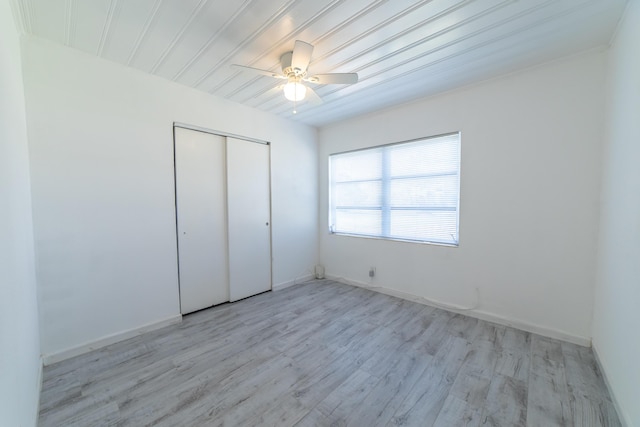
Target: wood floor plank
<point x="260" y="398"/>
<point x="516" y="339"/>
<point x="457" y="412"/>
<point x="326" y="354"/>
<point x="546" y="348"/>
<point x="514" y="363"/>
<point x="462" y="326"/>
<point x="583" y="375"/>
<point x="548" y="401"/>
<point x="490" y="333"/>
<point x="387" y="353"/>
<point x="481" y="358"/>
<point x="338" y="405"/>
<point x="415" y="324"/>
<point x="424" y="402"/>
<point x="435" y="334"/>
<point x="312" y="389"/>
<point x="177" y="399"/>
<point x="386" y="396"/>
<point x="596" y="412"/>
<point x="506" y="402"/>
<point x="471" y="386"/>
<point x="207" y="400"/>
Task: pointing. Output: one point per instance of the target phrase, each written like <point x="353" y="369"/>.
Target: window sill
<point x="391" y="239"/>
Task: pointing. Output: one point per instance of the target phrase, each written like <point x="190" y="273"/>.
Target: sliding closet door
<point x="249" y="216"/>
<point x="201" y="219"/>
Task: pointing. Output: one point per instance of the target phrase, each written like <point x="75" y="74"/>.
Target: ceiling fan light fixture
<point x="295" y="91"/>
<point x="295" y="68"/>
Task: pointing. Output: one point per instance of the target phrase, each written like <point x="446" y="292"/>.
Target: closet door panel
<point x="201" y="219"/>
<point x="249" y="218"/>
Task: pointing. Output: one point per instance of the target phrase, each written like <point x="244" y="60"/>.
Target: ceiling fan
<point x="294" y="69"/>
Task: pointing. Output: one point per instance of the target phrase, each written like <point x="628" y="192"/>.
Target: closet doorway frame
<point x="202" y="129"/>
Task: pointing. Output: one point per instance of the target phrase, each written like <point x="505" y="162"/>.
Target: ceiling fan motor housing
<point x="288" y="70"/>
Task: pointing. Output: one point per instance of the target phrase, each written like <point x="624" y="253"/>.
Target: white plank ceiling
<point x="401" y="49"/>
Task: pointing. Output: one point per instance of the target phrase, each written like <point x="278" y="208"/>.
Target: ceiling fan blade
<point x="334" y="78"/>
<point x="312" y="97"/>
<point x="258" y="71"/>
<point x="301" y="55"/>
<point x="277" y="90"/>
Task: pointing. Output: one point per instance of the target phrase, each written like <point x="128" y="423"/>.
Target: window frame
<point x="386" y="181"/>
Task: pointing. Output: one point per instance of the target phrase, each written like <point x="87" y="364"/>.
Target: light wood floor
<point x="321" y="354"/>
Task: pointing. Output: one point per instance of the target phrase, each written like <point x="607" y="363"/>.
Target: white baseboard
<point x="621" y="414"/>
<point x="289" y="283"/>
<point x="478" y="314"/>
<point x="58" y="356"/>
<point x="533" y="328"/>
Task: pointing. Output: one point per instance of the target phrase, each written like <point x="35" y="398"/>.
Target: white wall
<point x="530" y="182"/>
<point x="20" y="364"/>
<point x="100" y="138"/>
<point x="617" y="312"/>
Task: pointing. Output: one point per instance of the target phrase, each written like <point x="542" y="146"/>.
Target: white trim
<point x="295" y="281"/>
<point x="622" y="416"/>
<point x="219" y="133"/>
<point x="58" y="356"/>
<point x="478" y="314"/>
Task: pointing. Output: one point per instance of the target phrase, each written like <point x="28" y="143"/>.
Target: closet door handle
<point x="267" y="223"/>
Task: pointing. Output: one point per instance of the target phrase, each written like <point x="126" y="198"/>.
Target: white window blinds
<point x="404" y="191"/>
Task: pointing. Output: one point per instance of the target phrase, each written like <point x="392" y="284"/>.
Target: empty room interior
<point x="362" y="212"/>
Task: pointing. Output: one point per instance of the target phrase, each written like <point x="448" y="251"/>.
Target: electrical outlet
<point x="372" y="272"/>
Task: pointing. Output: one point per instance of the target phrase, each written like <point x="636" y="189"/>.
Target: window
<point x="404" y="191"/>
